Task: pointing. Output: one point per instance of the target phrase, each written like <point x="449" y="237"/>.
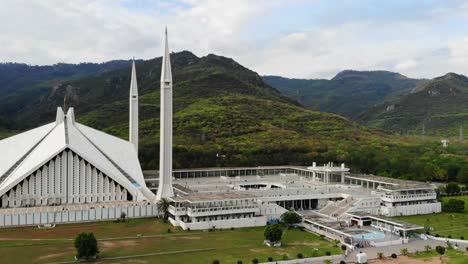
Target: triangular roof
<point x="113" y="156"/>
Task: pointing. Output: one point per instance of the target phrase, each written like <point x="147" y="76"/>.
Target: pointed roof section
<point x="133" y="82"/>
<point x="166" y="73"/>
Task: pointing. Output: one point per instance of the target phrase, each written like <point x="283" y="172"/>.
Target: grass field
<point x="450" y="257"/>
<point x="444" y="224"/>
<point x="33" y="245"/>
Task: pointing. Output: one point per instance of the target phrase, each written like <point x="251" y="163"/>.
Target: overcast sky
<point x="293" y="38"/>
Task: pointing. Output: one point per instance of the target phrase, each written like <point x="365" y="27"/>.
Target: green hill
<point x="349" y="93"/>
<point x="225" y="115"/>
<point x="440" y="106"/>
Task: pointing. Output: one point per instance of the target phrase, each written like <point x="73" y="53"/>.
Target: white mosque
<point x="67" y="172"/>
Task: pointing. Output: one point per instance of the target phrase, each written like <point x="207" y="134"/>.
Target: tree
<point x="291" y="218"/>
<point x="123" y="215"/>
<point x="440" y="250"/>
<point x="454" y="206"/>
<point x="273" y="233"/>
<point x="163" y="207"/>
<point x="86" y="246"/>
<point x="452" y="188"/>
<point x="427" y="248"/>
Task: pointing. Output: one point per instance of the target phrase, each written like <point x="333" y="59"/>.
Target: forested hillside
<point x="437" y="108"/>
<point x="349" y="93"/>
<point x="225" y="115"/>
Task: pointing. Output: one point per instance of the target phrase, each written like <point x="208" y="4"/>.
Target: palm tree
<point x="163" y="207"/>
<point x="427" y="248"/>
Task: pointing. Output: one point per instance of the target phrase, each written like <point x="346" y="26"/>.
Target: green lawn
<point x="228" y="246"/>
<point x="453" y="256"/>
<point x="464" y="198"/>
<point x="444" y="224"/>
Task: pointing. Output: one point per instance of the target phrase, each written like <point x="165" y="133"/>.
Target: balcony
<point x="177" y="211"/>
<point x="226" y="210"/>
<point x="409" y="197"/>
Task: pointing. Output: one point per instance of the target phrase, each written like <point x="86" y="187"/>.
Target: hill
<point x="349" y="93"/>
<point x="226" y="115"/>
<point x="21" y="83"/>
<point x="440" y="106"/>
<point x="220" y="107"/>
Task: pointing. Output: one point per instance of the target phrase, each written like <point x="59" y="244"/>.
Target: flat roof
<point x="400" y="224"/>
<point x="218" y="196"/>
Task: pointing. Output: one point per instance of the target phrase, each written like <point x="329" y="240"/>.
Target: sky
<point x="291" y="38"/>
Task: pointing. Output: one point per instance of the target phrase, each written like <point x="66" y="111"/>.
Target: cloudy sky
<point x="293" y="38"/>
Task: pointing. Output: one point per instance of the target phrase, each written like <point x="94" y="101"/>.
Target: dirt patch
<point x="117" y="243"/>
<point x="52" y="256"/>
<point x="407" y="260"/>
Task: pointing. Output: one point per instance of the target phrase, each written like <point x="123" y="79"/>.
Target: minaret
<point x="165" y="189"/>
<point x="133" y="125"/>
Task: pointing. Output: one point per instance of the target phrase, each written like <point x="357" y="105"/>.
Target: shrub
<point x="188" y="228"/>
<point x="273" y="233"/>
<point x="427" y="248"/>
<point x="216" y="261"/>
<point x="437" y="235"/>
<point x="299" y="255"/>
<point x="342" y="262"/>
<point x="455" y="206"/>
<point x="343" y="247"/>
<point x="168" y="230"/>
<point x="270" y="259"/>
<point x="404" y="251"/>
<point x="462" y="238"/>
<point x="86" y="245"/>
<point x="440" y="250"/>
<point x="239" y="262"/>
<point x="322" y="237"/>
<point x="328" y="253"/>
<point x="394" y="255"/>
<point x="466" y="248"/>
<point x="449" y="236"/>
<point x="452" y="188"/>
<point x="380" y="255"/>
<point x="254" y="261"/>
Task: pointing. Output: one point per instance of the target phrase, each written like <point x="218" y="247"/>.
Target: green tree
<point x="86" y="246"/>
<point x="291" y="218"/>
<point x="452" y="188"/>
<point x="454" y="206"/>
<point x="273" y="233"/>
<point x="163" y="207"/>
<point x="404" y="251"/>
<point x="440" y="250"/>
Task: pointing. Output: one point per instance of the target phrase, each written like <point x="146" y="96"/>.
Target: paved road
<point x="416" y="245"/>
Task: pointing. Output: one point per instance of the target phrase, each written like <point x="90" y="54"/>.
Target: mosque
<point x="66" y="172"/>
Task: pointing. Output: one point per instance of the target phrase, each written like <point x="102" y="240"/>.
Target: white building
<point x="65" y="162"/>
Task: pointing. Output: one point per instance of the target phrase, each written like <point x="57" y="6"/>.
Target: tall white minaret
<point x="165" y="189"/>
<point x="133" y="125"/>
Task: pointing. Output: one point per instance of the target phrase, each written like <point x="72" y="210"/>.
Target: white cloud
<point x="50" y="31"/>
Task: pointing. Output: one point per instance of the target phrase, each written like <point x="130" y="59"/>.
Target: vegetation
<point x="273" y="233"/>
<point x="86" y="246"/>
<point x="225" y="115"/>
<point x="443" y="224"/>
<point x="163" y="207"/>
<point x="33" y="245"/>
<point x="380" y="255"/>
<point x="349" y="93"/>
<point x="290" y="218"/>
<point x="454" y="205"/>
<point x="438" y="107"/>
<point x="440" y="250"/>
